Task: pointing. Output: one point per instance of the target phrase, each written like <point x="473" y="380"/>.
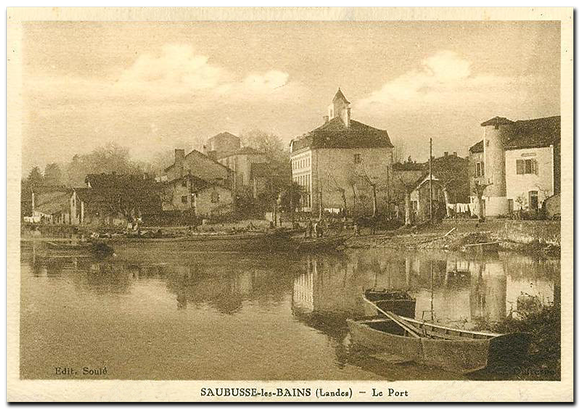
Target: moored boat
<point x="439" y="346"/>
<point x="393" y="300"/>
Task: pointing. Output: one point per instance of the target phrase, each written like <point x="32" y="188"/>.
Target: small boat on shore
<point x="456" y="350"/>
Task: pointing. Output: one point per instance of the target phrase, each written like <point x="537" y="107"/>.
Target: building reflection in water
<point x="449" y="288"/>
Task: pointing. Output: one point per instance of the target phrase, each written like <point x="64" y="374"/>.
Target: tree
<point x="266" y="142"/>
<point x="53" y="174"/>
<point x="35" y="178"/>
<point x="289" y="199"/>
<point x="479" y="189"/>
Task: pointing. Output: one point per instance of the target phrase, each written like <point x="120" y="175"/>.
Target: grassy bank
<point x="544" y="357"/>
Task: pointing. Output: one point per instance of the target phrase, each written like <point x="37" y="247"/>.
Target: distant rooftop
<point x="334" y="134"/>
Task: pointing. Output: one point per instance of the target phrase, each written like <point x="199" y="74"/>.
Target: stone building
<point x="518" y="161"/>
<point x="342" y="164"/>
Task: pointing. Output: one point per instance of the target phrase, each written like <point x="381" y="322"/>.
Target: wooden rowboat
<point x="392" y="300"/>
<point x="439" y="346"/>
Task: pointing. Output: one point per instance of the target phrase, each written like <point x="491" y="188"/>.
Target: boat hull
<point x="451" y="351"/>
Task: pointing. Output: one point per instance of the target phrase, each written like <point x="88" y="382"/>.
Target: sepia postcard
<point x="290" y="205"/>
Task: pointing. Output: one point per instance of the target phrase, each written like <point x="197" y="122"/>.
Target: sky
<point x="152" y="86"/>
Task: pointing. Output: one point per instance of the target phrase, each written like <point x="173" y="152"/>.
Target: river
<point x="176" y="315"/>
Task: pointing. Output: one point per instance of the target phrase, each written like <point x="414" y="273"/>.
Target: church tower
<point x="341" y="108"/>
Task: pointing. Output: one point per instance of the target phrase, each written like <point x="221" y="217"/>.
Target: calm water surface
<point x="159" y="313"/>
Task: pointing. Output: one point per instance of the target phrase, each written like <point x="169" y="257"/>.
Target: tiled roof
<point x="478" y="147"/>
<point x="498" y="120"/>
<point x="334" y="134"/>
<point x="535" y="133"/>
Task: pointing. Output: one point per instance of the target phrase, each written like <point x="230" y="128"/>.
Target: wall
<point x="528" y="231"/>
<point x="334" y="168"/>
<point x="173" y="196"/>
<point x="520" y="184"/>
<point x="204" y="205"/>
<point x="301" y="165"/>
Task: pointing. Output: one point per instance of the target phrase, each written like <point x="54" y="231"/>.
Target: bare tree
<point x="479" y="189"/>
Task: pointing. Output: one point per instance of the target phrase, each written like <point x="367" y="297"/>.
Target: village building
<point x="198" y="197"/>
<point x="251" y="170"/>
<point x="119" y="199"/>
<point x="420" y="199"/>
<point x="342" y="164"/>
<point x="518" y="162"/>
<point x="54" y="205"/>
<point x="450" y="174"/>
<point x="197" y="164"/>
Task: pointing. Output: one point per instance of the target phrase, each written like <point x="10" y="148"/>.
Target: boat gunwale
<point x="487" y="335"/>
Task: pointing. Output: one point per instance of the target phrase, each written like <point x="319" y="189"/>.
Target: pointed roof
<point x="340" y="95"/>
<point x="498" y="120"/>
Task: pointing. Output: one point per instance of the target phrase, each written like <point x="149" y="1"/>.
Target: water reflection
<point x="449" y="288"/>
<point x="302" y="302"/>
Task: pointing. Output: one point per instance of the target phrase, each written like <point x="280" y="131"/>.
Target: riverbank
<point x="531" y="237"/>
<point x="543" y="362"/>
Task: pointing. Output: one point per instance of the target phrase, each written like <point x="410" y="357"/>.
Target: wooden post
<point x="430" y="183"/>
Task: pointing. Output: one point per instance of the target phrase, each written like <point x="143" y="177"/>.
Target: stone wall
<point x="548" y="232"/>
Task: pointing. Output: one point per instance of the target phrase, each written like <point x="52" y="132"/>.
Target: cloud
<point x="443" y="78"/>
<point x="176" y="68"/>
<point x="176" y="74"/>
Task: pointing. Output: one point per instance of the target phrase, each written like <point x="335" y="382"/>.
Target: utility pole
<point x="388" y="195"/>
<point x="430" y="177"/>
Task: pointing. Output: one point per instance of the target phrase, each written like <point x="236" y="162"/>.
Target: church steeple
<point x="341" y="108"/>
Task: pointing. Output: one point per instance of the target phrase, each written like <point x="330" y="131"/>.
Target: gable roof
<point x="224" y="134"/>
<point x="477" y="148"/>
<point x="201" y="155"/>
<point x="535" y="133"/>
<point x="52" y="202"/>
<point x="334" y="134"/>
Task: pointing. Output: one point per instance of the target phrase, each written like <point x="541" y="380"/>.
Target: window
<point x="479" y="169"/>
<point x="527" y="166"/>
<point x="214" y="197"/>
<point x="184" y="183"/>
<point x="184" y="199"/>
<point x="358" y="159"/>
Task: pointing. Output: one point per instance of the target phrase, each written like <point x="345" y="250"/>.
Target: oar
<point x="395" y="318"/>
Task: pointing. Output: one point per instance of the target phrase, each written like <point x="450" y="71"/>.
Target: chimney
<point x="347" y="117"/>
<point x="325" y="117"/>
<point x="454" y="153"/>
<point x="179" y="160"/>
<point x="446" y="153"/>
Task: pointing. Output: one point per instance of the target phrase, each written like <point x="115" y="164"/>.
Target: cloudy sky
<point x="152" y="86"/>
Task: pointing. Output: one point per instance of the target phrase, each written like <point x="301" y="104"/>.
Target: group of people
<point x="315" y="228"/>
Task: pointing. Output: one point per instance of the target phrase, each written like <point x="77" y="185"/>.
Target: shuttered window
<point x="527" y="166"/>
